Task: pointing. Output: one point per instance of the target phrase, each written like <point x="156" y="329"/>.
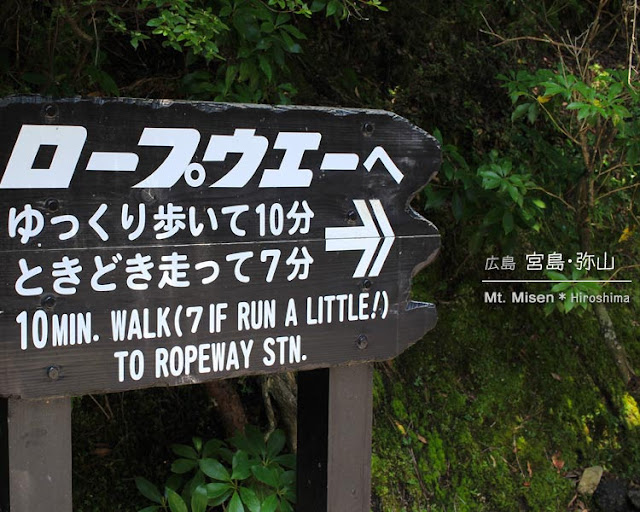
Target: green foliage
<point x="495" y="197"/>
<point x="606" y="97"/>
<point x="575" y="285"/>
<point x="224" y="50"/>
<point x="245" y="474"/>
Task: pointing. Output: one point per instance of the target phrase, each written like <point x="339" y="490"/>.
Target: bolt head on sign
<point x="153" y="243"/>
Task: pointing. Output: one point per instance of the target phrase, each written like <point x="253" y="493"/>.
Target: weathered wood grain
<point x="116" y="125"/>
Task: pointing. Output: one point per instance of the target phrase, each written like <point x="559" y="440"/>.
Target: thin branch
<point x="551" y="194"/>
<point x="546" y="39"/>
<point x="95" y="31"/>
<point x="632" y="45"/>
<point x="627" y="267"/>
<point x="73" y="24"/>
<point x="593" y="28"/>
<point x="100" y="407"/>
<point x="617" y="190"/>
<point x="559" y="127"/>
<point x="603" y="177"/>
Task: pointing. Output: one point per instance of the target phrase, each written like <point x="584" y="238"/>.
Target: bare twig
<point x="73" y="24"/>
<point x="95" y="31"/>
<point x="101" y="408"/>
<point x="551" y="194"/>
<point x="564" y="131"/>
<point x="632" y="45"/>
<point x="635" y="185"/>
<point x="626" y="267"/>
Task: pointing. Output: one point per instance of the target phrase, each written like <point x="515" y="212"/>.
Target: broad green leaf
<point x="182" y="466"/>
<point x="217" y="489"/>
<point x="332" y="8"/>
<point x="539" y="203"/>
<point x="514" y="194"/>
<point x="184" y="451"/>
<point x="556" y="275"/>
<point x="240" y="466"/>
<point x="265" y="67"/>
<point x="575" y="105"/>
<point x="176" y="503"/>
<point x="148" y="490"/>
<point x="288" y="460"/>
<point x="267" y="27"/>
<point x="520" y="111"/>
<point x="490" y="183"/>
<point x="437" y="134"/>
<point x="213" y="469"/>
<point x="290" y="494"/>
<point x="270" y="504"/>
<point x="318" y="5"/>
<point x="289" y="44"/>
<point x="265" y="475"/>
<point x="560" y="287"/>
<point x="199" y="499"/>
<point x="223" y="498"/>
<point x="288" y="478"/>
<point x="230" y="76"/>
<point x="282" y="18"/>
<point x="568" y="305"/>
<point x="293" y="31"/>
<point x="255" y="439"/>
<point x="584" y="112"/>
<point x="250" y="499"/>
<point x="276" y="442"/>
<point x="552" y="88"/>
<point x="174" y="482"/>
<point x="235" y="504"/>
<point x="197" y="443"/>
<point x="197" y="480"/>
<point x="285" y="506"/>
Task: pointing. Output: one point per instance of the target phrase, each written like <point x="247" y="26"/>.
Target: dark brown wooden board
<point x="38" y="441"/>
<point x="335" y="416"/>
<point x="338" y="199"/>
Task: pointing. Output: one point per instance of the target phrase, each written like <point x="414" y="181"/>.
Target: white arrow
<point x="364" y="238"/>
<point x="387" y="232"/>
<point x="380" y="154"/>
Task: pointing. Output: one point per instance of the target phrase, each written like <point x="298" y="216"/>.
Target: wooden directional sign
<point x="150" y="243"/>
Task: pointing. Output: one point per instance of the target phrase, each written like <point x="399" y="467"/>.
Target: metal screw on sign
<point x="368" y="128"/>
<point x="51" y="113"/>
<point x="53" y="372"/>
<point x="362" y="341"/>
<point x="48" y="301"/>
<point x="366" y="284"/>
<point x="52" y="205"/>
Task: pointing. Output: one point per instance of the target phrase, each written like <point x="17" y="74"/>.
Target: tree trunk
<point x="615" y="348"/>
<point x="283" y="389"/>
<point x="585" y="204"/>
<point x="227" y="403"/>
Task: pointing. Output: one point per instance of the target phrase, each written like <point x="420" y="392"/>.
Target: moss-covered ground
<point x="500" y="408"/>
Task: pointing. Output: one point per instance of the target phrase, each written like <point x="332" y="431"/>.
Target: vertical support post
<point x="4" y="456"/>
<point x="38" y="455"/>
<point x="335" y="408"/>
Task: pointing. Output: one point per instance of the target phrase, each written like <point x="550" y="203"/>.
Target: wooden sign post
<point x="160" y="243"/>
